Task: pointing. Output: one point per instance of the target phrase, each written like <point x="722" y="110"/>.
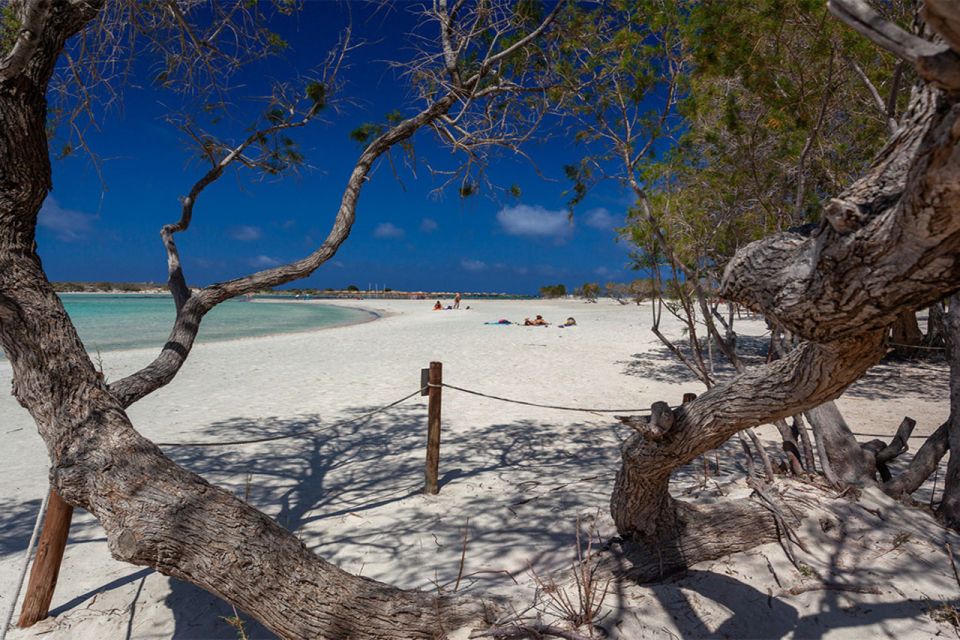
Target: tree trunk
<point x="850" y="463"/>
<point x="160" y="515"/>
<point x="924" y="463"/>
<point x="886" y="246"/>
<point x="906" y="333"/>
<point x="800" y="428"/>
<point x="664" y="530"/>
<point x="154" y="512"/>
<point x="936" y="326"/>
<point x="791" y="448"/>
<point x="950" y="507"/>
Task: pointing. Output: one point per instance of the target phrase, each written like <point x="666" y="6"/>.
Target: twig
<point x="953" y="563"/>
<point x="463" y="555"/>
<point x="828" y="586"/>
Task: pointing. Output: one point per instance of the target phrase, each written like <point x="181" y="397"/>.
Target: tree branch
<point x="163" y="369"/>
<point x="879" y="251"/>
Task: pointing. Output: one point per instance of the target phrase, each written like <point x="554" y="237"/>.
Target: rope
<point x="917" y="346"/>
<point x="12" y="604"/>
<point x="295" y="434"/>
<point x="534" y="404"/>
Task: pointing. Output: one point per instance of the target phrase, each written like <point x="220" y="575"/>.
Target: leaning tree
<point x="886" y="245"/>
<point x="481" y="82"/>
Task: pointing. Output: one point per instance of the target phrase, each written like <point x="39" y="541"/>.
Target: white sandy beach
<point x="516" y="476"/>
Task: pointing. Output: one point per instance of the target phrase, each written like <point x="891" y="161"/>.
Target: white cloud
<point x="387" y="230"/>
<point x="527" y="220"/>
<point x="599" y="218"/>
<point x="601" y="271"/>
<point x="473" y="265"/>
<point x="263" y="262"/>
<point x="428" y="225"/>
<point x="245" y="233"/>
<point x="67" y="224"/>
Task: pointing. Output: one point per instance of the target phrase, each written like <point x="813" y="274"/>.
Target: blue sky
<point x="405" y="237"/>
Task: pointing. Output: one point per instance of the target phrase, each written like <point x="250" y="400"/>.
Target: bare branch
<point x="861" y="17"/>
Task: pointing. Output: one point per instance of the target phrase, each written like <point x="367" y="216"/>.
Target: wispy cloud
<point x="599" y="218"/>
<point x="245" y="233"/>
<point x="428" y="225"/>
<point x="473" y="265"/>
<point x="387" y="230"/>
<point x="534" y="220"/>
<point x="602" y="272"/>
<point x="68" y="225"/>
<point x="264" y="262"/>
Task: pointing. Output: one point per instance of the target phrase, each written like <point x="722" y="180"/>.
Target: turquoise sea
<point x="109" y="322"/>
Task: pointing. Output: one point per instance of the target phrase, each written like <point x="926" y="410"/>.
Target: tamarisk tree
<point x="482" y="84"/>
<point x="885" y="245"/>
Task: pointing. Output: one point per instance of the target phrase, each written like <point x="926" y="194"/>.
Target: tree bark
<point x="641" y="505"/>
<point x="924" y="463"/>
<point x="906" y="333"/>
<point x="888" y="245"/>
<point x="155" y="513"/>
<point x="850" y="463"/>
<point x="950" y="507"/>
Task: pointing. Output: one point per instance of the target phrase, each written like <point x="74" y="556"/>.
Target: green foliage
<point x="9" y="28"/>
<point x="353" y="287"/>
<point x="366" y="132"/>
<point x="774" y="120"/>
<point x="317" y="93"/>
<point x="553" y="291"/>
<point x="588" y="290"/>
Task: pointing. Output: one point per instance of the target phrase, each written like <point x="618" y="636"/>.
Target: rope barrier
<point x="535" y="404"/>
<point x="295" y="434"/>
<point x="307" y="430"/>
<point x="915" y="346"/>
<point x="12" y="604"/>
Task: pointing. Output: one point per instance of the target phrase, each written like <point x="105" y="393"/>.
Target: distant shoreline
<point x="152" y="288"/>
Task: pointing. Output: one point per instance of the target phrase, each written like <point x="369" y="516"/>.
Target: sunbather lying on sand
<point x="536" y="322"/>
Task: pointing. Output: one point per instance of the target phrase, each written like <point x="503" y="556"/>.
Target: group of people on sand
<point x="456" y="304"/>
<point x="540" y="322"/>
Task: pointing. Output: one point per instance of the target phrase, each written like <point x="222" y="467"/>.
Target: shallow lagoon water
<point x="108" y="322"/>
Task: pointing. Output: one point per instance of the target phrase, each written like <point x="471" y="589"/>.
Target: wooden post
<point x="433" y="429"/>
<point x="46" y="564"/>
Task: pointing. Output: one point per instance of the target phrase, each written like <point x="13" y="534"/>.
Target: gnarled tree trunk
<point x="887" y="246"/>
<point x="154" y="512"/>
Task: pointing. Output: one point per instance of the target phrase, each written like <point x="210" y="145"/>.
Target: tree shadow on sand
<point x="662" y="365"/>
<point x="324" y="488"/>
<point x="517" y="487"/>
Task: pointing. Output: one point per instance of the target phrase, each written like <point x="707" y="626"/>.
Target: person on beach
<point x="571" y="322"/>
<point x="438" y="306"/>
<point x="536" y="322"/>
<point x="456" y="301"/>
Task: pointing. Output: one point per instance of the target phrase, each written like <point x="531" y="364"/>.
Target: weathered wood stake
<point x="433" y="429"/>
<point x="46" y="564"/>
